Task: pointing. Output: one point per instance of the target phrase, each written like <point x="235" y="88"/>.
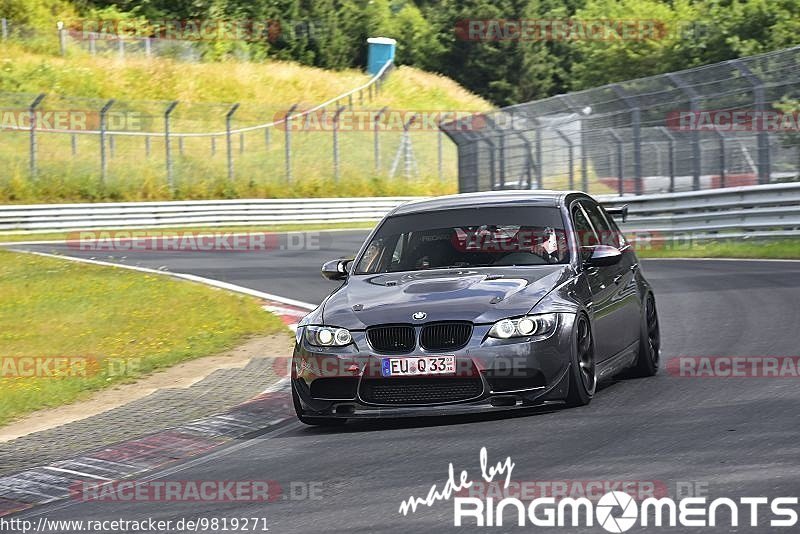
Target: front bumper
<point x="491" y="374"/>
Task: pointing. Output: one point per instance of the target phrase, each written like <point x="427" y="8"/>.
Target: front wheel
<point x="311" y="420"/>
<point x="583" y="378"/>
<point x="649" y="341"/>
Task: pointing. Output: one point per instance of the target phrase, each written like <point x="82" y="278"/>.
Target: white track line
<point x="71" y="472"/>
<point x="183" y="276"/>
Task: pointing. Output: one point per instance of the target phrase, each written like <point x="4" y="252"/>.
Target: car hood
<point x="479" y="295"/>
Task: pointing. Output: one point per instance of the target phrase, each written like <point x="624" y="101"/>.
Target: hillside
<point x="270" y="84"/>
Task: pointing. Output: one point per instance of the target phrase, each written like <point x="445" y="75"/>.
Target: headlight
<point x="328" y="336"/>
<point x="529" y="325"/>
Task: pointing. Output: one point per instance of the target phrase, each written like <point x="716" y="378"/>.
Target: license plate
<point x="419" y="365"/>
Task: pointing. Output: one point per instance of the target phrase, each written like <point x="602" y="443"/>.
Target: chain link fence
<point x="205" y="150"/>
<point x="721" y="125"/>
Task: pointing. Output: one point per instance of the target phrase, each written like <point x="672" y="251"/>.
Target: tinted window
<point x="585" y="231"/>
<point x="608" y="234"/>
<point x="474" y="237"/>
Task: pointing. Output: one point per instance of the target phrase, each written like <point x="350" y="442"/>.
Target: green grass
<point x="62" y="236"/>
<point x="114" y="317"/>
<point x="764" y="249"/>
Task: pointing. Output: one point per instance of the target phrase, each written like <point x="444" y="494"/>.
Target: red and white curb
<point x="49" y="483"/>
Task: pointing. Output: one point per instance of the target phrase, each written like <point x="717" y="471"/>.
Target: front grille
<point x="419" y="390"/>
<point x="445" y="336"/>
<point x="392" y="339"/>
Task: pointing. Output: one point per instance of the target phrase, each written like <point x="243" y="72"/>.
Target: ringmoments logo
<point x="615" y="511"/>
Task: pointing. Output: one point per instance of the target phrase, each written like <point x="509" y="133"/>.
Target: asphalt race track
<point x="727" y="437"/>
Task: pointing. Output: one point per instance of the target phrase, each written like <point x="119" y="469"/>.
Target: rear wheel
<point x="649" y="341"/>
<point x="311" y="420"/>
<point x="583" y="379"/>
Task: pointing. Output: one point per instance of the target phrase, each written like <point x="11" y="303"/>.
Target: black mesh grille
<point x="397" y="339"/>
<point x="419" y="390"/>
<point x="445" y="336"/>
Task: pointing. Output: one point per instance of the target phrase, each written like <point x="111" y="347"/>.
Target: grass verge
<point x="101" y="326"/>
<point x="770" y="249"/>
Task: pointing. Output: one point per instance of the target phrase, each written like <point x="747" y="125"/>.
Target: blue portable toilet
<point x="380" y="51"/>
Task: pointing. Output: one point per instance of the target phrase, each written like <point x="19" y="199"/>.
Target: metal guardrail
<point x="753" y="210"/>
<point x="737" y="212"/>
<point x="208" y="213"/>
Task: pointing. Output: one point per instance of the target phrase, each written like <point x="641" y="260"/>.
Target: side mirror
<point x="336" y="269"/>
<point x="601" y="255"/>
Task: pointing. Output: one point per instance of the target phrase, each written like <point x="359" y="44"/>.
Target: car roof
<point x="539" y="197"/>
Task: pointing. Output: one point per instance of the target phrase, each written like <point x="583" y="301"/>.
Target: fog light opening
<point x="504" y="400"/>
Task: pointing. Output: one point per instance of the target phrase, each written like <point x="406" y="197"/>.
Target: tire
<point x="649" y="341"/>
<point x="582" y="373"/>
<point x="311" y="420"/>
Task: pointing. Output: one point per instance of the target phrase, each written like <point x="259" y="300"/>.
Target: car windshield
<point x="465" y="238"/>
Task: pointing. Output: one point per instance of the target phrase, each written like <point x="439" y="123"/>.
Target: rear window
<point x="464" y="238"/>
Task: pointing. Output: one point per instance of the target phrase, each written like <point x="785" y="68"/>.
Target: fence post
<point x="228" y="141"/>
<point x="147" y="146"/>
<point x="32" y="115"/>
<point x="722" y="163"/>
<point x="121" y="47"/>
<point x="583" y="114"/>
<point x="492" y="162"/>
<point x="168" y="153"/>
<point x="267" y="137"/>
<point x="502" y="154"/>
<point x="4" y="24"/>
<point x="288" y="142"/>
<point x="671" y="145"/>
<point x="92" y="44"/>
<point x="404" y="151"/>
<point x="620" y="161"/>
<point x="103" y="158"/>
<point x="570" y="155"/>
<point x="539" y="170"/>
<point x="74" y="144"/>
<point x="439" y="148"/>
<point x="376" y="142"/>
<point x="694" y="107"/>
<point x="111" y="146"/>
<point x="62" y="38"/>
<point x="764" y="163"/>
<point x="336" y="142"/>
<point x="408" y="155"/>
<point x="147" y="47"/>
<point x="528" y="158"/>
<point x="633" y="105"/>
<point x="213" y="146"/>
